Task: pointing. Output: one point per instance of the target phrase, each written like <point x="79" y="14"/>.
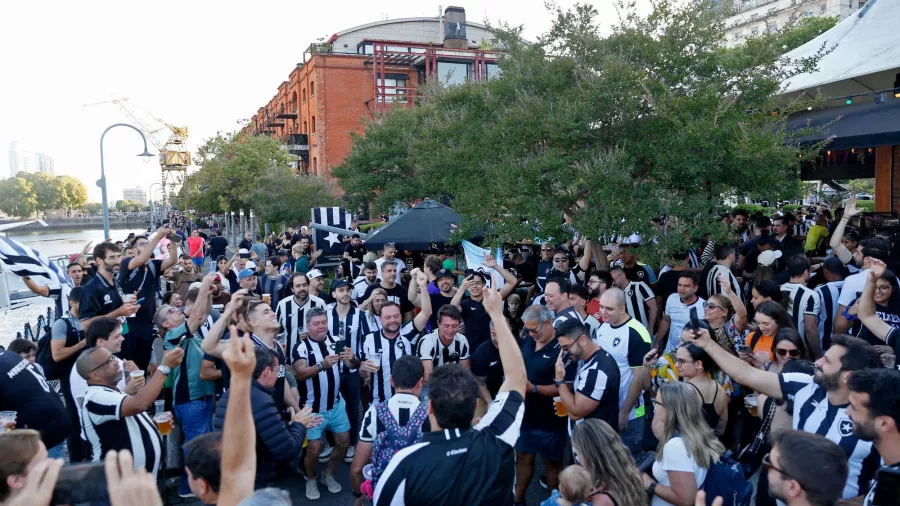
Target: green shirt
<point x="302" y="264"/>
<point x="186" y="383"/>
<point x="448" y="264"/>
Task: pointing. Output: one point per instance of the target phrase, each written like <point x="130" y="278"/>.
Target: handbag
<point x="751" y="455"/>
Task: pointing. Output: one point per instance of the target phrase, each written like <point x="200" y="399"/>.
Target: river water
<point x="51" y="243"/>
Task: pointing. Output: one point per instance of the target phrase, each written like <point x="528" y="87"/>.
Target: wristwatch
<point x="320" y="367"/>
<point x="651" y="489"/>
<point x="164" y="369"/>
<point x="559" y="383"/>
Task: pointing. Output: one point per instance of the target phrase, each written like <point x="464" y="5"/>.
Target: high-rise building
<point x="18" y="159"/>
<point x="136" y="194"/>
<point x="754" y="17"/>
<point x="44" y="163"/>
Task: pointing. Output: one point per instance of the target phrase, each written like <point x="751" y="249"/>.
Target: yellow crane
<point x="174" y="157"/>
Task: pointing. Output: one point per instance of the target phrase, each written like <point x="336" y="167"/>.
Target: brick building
<point x="365" y="71"/>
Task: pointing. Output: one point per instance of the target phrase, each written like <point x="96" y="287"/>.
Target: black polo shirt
<point x="99" y="298"/>
<point x="540" y="367"/>
<point x="357" y="252"/>
<point x="477" y="320"/>
<point x="24" y="390"/>
<point x="145" y="281"/>
<point x="437" y="302"/>
<point x="486" y="363"/>
<point x="472" y="466"/>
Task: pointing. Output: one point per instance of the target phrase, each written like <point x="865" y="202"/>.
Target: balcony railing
<point x="289" y="112"/>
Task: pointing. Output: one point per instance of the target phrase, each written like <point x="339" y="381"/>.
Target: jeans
<point x="195" y="418"/>
<point x="633" y="438"/>
<point x="57" y="452"/>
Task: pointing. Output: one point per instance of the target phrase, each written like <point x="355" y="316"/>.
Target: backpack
<point x="53" y="370"/>
<point x="395" y="437"/>
<point x="726" y="479"/>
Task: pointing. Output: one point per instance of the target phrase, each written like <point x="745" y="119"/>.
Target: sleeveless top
<point x="709" y="409"/>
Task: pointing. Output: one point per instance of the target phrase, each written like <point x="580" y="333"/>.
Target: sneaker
<point x="351" y="452"/>
<point x="333" y="486"/>
<point x="542" y="481"/>
<point x="325" y="456"/>
<point x="312" y="490"/>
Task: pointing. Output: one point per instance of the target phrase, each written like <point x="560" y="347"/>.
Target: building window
<point x="737" y="35"/>
<point x="771" y="27"/>
<point x="395" y="88"/>
<point x="315" y="168"/>
<point x="313" y="123"/>
<point x="754" y="17"/>
<point x="492" y="70"/>
<point x="754" y="31"/>
<point x="304" y="126"/>
<point x="453" y="73"/>
<point x="822" y="9"/>
<point x="365" y="48"/>
<point x="304" y="95"/>
<point x="770" y="12"/>
<point x="312" y="89"/>
<point x="807" y="13"/>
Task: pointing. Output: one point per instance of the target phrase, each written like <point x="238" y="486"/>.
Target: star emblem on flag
<point x="332" y="239"/>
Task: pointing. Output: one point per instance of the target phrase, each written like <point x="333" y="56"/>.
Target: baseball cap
<point x="246" y="273"/>
<point x="443" y="273"/>
<point x="243" y="251"/>
<point x="195" y="284"/>
<point x="768" y="258"/>
<point x="315" y="273"/>
<point x="250" y="265"/>
<point x="337" y="283"/>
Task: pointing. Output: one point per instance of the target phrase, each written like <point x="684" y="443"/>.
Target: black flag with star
<point x="331" y="244"/>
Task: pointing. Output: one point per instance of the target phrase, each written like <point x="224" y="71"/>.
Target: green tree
<point x="130" y="206"/>
<point x="17" y="197"/>
<point x="859" y="185"/>
<point x="92" y="208"/>
<point x="607" y="132"/>
<point x="46" y="189"/>
<point x="251" y="172"/>
<point x="72" y="193"/>
<point x="804" y="31"/>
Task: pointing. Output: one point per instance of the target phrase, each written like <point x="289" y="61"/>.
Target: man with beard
<point x="804" y="469"/>
<point x="445" y="281"/>
<point x="274" y="284"/>
<point x="395" y="292"/>
<point x="140" y="275"/>
<point x="477" y="321"/>
<point x="59" y="295"/>
<point x="820" y="401"/>
<point x="291" y="312"/>
<point x="598" y="283"/>
<point x="368" y="278"/>
<point x="102" y="296"/>
<point x="875" y="412"/>
<point x="740" y="225"/>
<point x="353" y="257"/>
<point x="183" y="278"/>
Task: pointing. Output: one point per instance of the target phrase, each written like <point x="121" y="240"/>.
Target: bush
<point x="790" y="208"/>
<point x="368" y="227"/>
<point x="752" y="209"/>
<point x="866" y="206"/>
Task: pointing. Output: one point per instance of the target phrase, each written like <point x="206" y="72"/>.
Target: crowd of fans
<point x="759" y="370"/>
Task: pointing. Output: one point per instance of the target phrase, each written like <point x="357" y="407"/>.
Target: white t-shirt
<point x="853" y="287"/>
<point x="680" y="314"/>
<point x="675" y="458"/>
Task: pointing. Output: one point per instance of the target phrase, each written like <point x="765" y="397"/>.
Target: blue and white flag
<point x="24" y="261"/>
<point x="475" y="256"/>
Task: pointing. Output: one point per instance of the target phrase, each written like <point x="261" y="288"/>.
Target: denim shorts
<point x="334" y="420"/>
<point x="550" y="445"/>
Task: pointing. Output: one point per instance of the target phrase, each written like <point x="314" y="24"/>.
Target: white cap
<point x="250" y="265"/>
<point x="767" y="258"/>
<point x="315" y="273"/>
<point x="195" y="284"/>
<point x="243" y="251"/>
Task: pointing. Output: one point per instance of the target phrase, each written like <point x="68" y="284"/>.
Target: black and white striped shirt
<point x="402" y="406"/>
<point x="598" y="378"/>
<point x="360" y="285"/>
<point x="431" y="348"/>
<point x="106" y="429"/>
<point x="829" y="293"/>
<point x="712" y="281"/>
<point x="278" y="394"/>
<point x="693" y="260"/>
<point x="438" y="470"/>
<point x="351" y="328"/>
<point x="813" y="413"/>
<point x="391" y="350"/>
<point x="800" y="229"/>
<point x="566" y="314"/>
<point x="292" y="318"/>
<point x="637" y="301"/>
<point x="323" y="390"/>
<point x="800" y="301"/>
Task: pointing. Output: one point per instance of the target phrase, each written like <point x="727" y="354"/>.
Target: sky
<point x="202" y="64"/>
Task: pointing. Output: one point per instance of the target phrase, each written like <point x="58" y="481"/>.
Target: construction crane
<point x="174" y="157"/>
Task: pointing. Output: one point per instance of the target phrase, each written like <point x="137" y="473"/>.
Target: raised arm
<point x="510" y="354"/>
<point x="421" y="319"/>
<point x="172" y="258"/>
<point x="412" y="291"/>
<point x="740" y="310"/>
<point x="200" y="309"/>
<point x="585" y="261"/>
<point x="764" y="382"/>
<point x="511" y="281"/>
<point x="211" y="344"/>
<point x="835" y="243"/>
<point x="866" y="311"/>
<point x="461" y="292"/>
<point x="42" y="290"/>
<point x="239" y="455"/>
<point x="143" y="399"/>
<point x="143" y="258"/>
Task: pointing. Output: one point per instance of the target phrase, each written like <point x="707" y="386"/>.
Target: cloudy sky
<point x="201" y="63"/>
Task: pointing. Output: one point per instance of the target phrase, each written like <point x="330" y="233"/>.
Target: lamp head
<point x="146" y="155"/>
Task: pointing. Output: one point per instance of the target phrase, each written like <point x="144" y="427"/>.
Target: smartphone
<point x="887" y="488"/>
<point x="174" y="238"/>
<point x="245" y="255"/>
<point x="695" y="321"/>
<point x="81" y="483"/>
<point x="338" y="346"/>
<point x="139" y="301"/>
<point x="743" y="348"/>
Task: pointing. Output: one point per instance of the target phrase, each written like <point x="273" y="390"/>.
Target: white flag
<point x="475" y="256"/>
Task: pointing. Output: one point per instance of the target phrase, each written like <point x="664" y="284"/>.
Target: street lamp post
<point x="154" y="204"/>
<point x="102" y="181"/>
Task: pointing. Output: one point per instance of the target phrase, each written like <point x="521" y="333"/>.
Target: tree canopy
<point x="600" y="133"/>
<point x="240" y="171"/>
<point x="30" y="192"/>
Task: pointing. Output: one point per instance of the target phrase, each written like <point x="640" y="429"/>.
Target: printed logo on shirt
<point x="401" y="346"/>
<point x="640" y="274"/>
<point x="631" y="292"/>
<point x="846" y="427"/>
<point x="107" y="299"/>
<point x="616" y="341"/>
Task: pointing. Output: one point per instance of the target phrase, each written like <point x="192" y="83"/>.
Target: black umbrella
<point x="417" y="229"/>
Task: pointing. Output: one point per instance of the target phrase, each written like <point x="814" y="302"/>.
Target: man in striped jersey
<point x="382" y="348"/>
<point x="725" y="258"/>
<point x="445" y="345"/>
<point x="802" y="303"/>
<point x="368" y="278"/>
<point x="556" y="298"/>
<point x="315" y="360"/>
<point x="820" y="401"/>
<point x="291" y="311"/>
<point x="829" y="293"/>
<point x="640" y="301"/>
<point x="113" y="420"/>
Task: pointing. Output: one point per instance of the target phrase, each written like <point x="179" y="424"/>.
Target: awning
<point x="417" y="229"/>
<point x="859" y="126"/>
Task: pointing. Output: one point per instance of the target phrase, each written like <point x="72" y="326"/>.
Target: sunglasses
<point x="710" y="305"/>
<point x="560" y="260"/>
<point x="535" y="331"/>
<point x="106" y="362"/>
<point x="782" y="352"/>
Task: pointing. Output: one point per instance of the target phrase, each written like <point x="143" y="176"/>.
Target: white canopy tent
<point x="865" y="55"/>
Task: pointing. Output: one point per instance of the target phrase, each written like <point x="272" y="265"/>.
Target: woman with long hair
<point x="763" y="291"/>
<point x="599" y="449"/>
<point x="770" y="317"/>
<point x="687" y="447"/>
<point x="372" y="307"/>
<point x="887" y="306"/>
<point x="696" y="368"/>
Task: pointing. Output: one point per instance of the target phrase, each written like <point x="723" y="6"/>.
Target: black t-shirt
<point x="217" y="246"/>
<point x="540" y="367"/>
<point x="437" y="302"/>
<point x="24" y="390"/>
<point x="145" y="281"/>
<point x="357" y="252"/>
<point x="396" y="294"/>
<point x="888" y="315"/>
<point x="667" y="284"/>
<point x="486" y="363"/>
<point x="99" y="298"/>
<point x="637" y="273"/>
<point x="477" y="322"/>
